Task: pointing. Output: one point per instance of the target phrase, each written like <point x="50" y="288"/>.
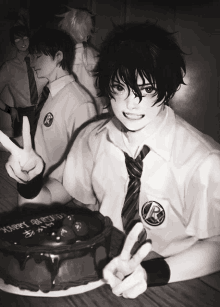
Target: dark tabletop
<point x="187" y="294"/>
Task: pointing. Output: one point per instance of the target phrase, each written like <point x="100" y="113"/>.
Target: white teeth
<point x="133" y="116"/>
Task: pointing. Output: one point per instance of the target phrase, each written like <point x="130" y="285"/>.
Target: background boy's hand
<point x="23" y="164"/>
<point x="116" y="271"/>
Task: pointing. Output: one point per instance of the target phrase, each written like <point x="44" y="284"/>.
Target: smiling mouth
<point x="132" y="116"/>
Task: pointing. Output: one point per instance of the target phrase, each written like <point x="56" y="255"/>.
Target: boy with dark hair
<point x="145" y="167"/>
<point x="65" y="106"/>
<point x="15" y="74"/>
<point x="49" y="42"/>
<point x="17" y="32"/>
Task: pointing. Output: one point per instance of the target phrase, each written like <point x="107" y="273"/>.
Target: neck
<point x="57" y="74"/>
<point x="23" y="53"/>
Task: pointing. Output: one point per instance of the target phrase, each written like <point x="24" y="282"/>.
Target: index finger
<point x="130" y="241"/>
<point x="140" y="254"/>
<point x="9" y="145"/>
<point x="26" y="134"/>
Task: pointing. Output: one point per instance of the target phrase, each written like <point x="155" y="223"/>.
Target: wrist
<point x="31" y="189"/>
<point x="158" y="272"/>
<point x="7" y="109"/>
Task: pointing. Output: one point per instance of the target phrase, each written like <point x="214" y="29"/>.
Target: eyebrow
<point x="143" y="85"/>
<point x="115" y="81"/>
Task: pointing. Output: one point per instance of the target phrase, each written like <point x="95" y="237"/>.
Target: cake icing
<point x="54" y="249"/>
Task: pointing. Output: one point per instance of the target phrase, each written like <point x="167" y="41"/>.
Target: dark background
<point x="197" y="24"/>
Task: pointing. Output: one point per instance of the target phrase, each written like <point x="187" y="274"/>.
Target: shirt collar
<point x="78" y="46"/>
<point x="160" y="139"/>
<point x="21" y="56"/>
<point x="59" y="84"/>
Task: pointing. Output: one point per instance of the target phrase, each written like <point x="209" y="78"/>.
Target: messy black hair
<point x="50" y="41"/>
<point x="142" y="49"/>
<point x="18" y="31"/>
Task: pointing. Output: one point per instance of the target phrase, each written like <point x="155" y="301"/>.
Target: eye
<point x="17" y="40"/>
<point x="148" y="90"/>
<point x="25" y="37"/>
<point x="117" y="88"/>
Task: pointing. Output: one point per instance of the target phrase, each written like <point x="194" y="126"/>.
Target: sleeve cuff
<point x="32" y="188"/>
<point x="158" y="272"/>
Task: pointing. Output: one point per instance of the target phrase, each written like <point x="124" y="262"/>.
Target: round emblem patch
<point x="48" y="119"/>
<point x="153" y="213"/>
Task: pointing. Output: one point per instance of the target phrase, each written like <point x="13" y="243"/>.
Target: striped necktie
<point x="43" y="99"/>
<point x="130" y="209"/>
<point x="32" y="82"/>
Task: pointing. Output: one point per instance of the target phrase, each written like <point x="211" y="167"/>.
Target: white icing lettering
<point x="28" y="233"/>
<point x="14" y="227"/>
<point x="47" y="220"/>
<point x="24" y="225"/>
<point x="36" y="222"/>
<point x="5" y="229"/>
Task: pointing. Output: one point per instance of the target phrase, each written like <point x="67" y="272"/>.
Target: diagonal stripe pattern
<point x="131" y="204"/>
<point x="43" y="99"/>
<point x="32" y="82"/>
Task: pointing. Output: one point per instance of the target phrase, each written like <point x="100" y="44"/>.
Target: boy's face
<point x="130" y="111"/>
<point x="21" y="43"/>
<point x="44" y="66"/>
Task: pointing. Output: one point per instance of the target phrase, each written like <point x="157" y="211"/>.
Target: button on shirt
<point x="180" y="184"/>
<point x="68" y="107"/>
<point x="13" y="73"/>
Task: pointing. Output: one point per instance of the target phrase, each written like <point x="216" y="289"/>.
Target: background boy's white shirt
<point x="13" y="74"/>
<point x="180" y="157"/>
<point x="67" y="107"/>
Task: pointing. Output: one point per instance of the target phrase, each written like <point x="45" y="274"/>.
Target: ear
<point x="59" y="57"/>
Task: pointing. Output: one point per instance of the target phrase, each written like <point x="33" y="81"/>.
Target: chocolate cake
<point x="53" y="249"/>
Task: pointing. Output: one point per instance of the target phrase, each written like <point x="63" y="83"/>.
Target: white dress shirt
<point x="180" y="184"/>
<point x="68" y="107"/>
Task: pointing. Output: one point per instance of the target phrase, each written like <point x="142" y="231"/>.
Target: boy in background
<point x="14" y="74"/>
<point x="79" y="24"/>
<point x="67" y="107"/>
<point x="145" y="166"/>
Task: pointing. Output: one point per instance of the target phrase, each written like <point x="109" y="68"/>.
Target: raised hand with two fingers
<point x="23" y="164"/>
<point x="124" y="273"/>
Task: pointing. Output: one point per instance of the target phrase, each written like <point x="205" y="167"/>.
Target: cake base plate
<point x="70" y="291"/>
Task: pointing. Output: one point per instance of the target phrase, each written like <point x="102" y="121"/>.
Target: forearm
<point x="51" y="192"/>
<point x="58" y="193"/>
<point x="201" y="259"/>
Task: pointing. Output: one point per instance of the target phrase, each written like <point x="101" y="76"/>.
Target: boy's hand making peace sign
<point x="116" y="271"/>
<point x="23" y="164"/>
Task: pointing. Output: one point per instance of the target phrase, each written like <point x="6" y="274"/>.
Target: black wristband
<point x="7" y="109"/>
<point x="158" y="272"/>
<point x="32" y="188"/>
